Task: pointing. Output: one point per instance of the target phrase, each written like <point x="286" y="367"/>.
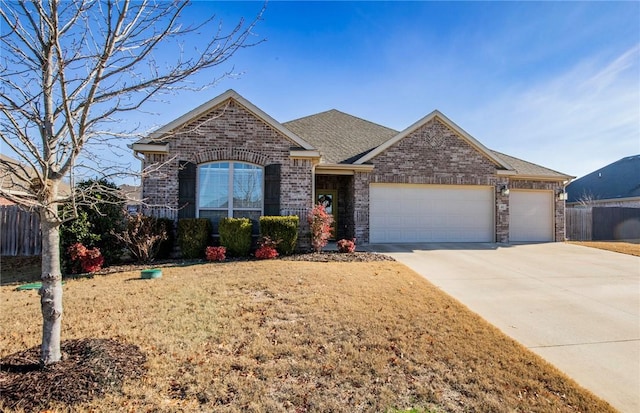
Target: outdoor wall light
<point x="504" y="191"/>
<point x="562" y="195"/>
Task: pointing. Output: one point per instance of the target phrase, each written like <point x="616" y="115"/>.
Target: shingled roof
<point x="617" y="180"/>
<point x="526" y="169"/>
<point x="340" y="137"/>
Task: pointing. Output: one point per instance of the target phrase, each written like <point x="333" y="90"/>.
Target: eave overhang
<point x="342" y="169"/>
<point x="564" y="179"/>
<point x="151" y="148"/>
<point x="304" y="154"/>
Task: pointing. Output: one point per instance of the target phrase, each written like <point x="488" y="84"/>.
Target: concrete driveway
<point x="577" y="307"/>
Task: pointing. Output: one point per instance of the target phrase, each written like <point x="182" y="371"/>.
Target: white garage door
<point x="430" y="213"/>
<point x="530" y="216"/>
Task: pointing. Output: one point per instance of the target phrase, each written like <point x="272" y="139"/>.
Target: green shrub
<point x="99" y="212"/>
<point x="193" y="236"/>
<point x="235" y="235"/>
<point x="72" y="232"/>
<point x="166" y="245"/>
<point x="283" y="230"/>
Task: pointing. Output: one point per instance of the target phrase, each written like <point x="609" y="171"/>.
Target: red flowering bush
<point x="216" y="253"/>
<point x="85" y="259"/>
<point x="320" y="225"/>
<point x="266" y="253"/>
<point x="346" y="246"/>
<point x="266" y="249"/>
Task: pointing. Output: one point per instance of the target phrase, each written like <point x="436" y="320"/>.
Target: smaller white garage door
<point x="531" y="216"/>
<point x="431" y="213"/>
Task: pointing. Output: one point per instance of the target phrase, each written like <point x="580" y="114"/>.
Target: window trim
<point x="230" y="208"/>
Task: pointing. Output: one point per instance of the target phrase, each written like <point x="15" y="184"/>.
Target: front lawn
<point x="629" y="247"/>
<point x="295" y="336"/>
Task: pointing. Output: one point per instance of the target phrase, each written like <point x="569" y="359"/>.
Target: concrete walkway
<point x="577" y="307"/>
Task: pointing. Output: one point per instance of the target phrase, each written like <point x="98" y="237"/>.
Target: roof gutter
<point x="342" y="169"/>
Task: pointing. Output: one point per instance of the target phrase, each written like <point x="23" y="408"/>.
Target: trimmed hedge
<point x="193" y="236"/>
<point x="283" y="230"/>
<point x="235" y="235"/>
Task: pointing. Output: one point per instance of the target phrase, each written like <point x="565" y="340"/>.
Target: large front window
<point x="230" y="189"/>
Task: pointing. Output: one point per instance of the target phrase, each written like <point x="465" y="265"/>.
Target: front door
<point x="329" y="199"/>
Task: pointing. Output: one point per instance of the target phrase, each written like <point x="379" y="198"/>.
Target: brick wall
<point x="432" y="154"/>
<point x="435" y="154"/>
<point x="228" y="132"/>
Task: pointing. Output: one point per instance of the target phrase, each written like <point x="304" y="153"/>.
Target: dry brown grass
<point x="629" y="247"/>
<point x="297" y="336"/>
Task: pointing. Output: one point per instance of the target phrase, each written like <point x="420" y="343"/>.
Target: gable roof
<point x="340" y="137"/>
<point x="212" y="104"/>
<point x="436" y="115"/>
<point x="620" y="179"/>
<point x="344" y="139"/>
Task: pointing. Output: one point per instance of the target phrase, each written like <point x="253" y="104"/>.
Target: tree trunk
<point x="51" y="291"/>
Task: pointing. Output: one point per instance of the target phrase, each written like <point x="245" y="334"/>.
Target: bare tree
<point x="69" y="71"/>
<point x="587" y="200"/>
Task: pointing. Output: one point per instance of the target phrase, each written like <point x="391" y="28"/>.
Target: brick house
<point x="431" y="182"/>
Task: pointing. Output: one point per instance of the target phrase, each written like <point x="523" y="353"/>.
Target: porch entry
<point x="329" y="199"/>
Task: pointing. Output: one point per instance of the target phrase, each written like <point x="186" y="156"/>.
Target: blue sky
<point x="555" y="83"/>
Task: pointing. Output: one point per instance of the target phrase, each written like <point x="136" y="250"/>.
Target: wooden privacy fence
<point x="19" y="232"/>
<point x="579" y="224"/>
<point x="603" y="223"/>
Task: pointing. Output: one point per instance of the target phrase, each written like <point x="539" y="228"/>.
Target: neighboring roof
<point x="15" y="177"/>
<point x="524" y="169"/>
<point x="617" y="180"/>
<point x="212" y="104"/>
<point x="436" y="115"/>
<point x="340" y="137"/>
<point x="132" y="193"/>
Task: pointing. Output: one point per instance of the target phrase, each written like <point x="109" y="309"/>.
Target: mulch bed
<point x="90" y="368"/>
<point x="334" y="256"/>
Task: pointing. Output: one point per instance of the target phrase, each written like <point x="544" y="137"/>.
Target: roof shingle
<point x="525" y="168"/>
<point x="620" y="179"/>
<point x="338" y="136"/>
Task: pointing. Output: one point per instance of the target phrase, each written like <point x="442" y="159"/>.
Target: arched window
<point x="230" y="189"/>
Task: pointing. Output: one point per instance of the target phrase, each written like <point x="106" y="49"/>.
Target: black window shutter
<point x="272" y="189"/>
<point x="186" y="189"/>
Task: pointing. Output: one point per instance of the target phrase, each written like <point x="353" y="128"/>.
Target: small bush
<point x="320" y="225"/>
<point x="267" y="249"/>
<point x="85" y="259"/>
<point x="216" y="253"/>
<point x="193" y="236"/>
<point x="235" y="235"/>
<point x="346" y="246"/>
<point x="142" y="237"/>
<point x="284" y="229"/>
